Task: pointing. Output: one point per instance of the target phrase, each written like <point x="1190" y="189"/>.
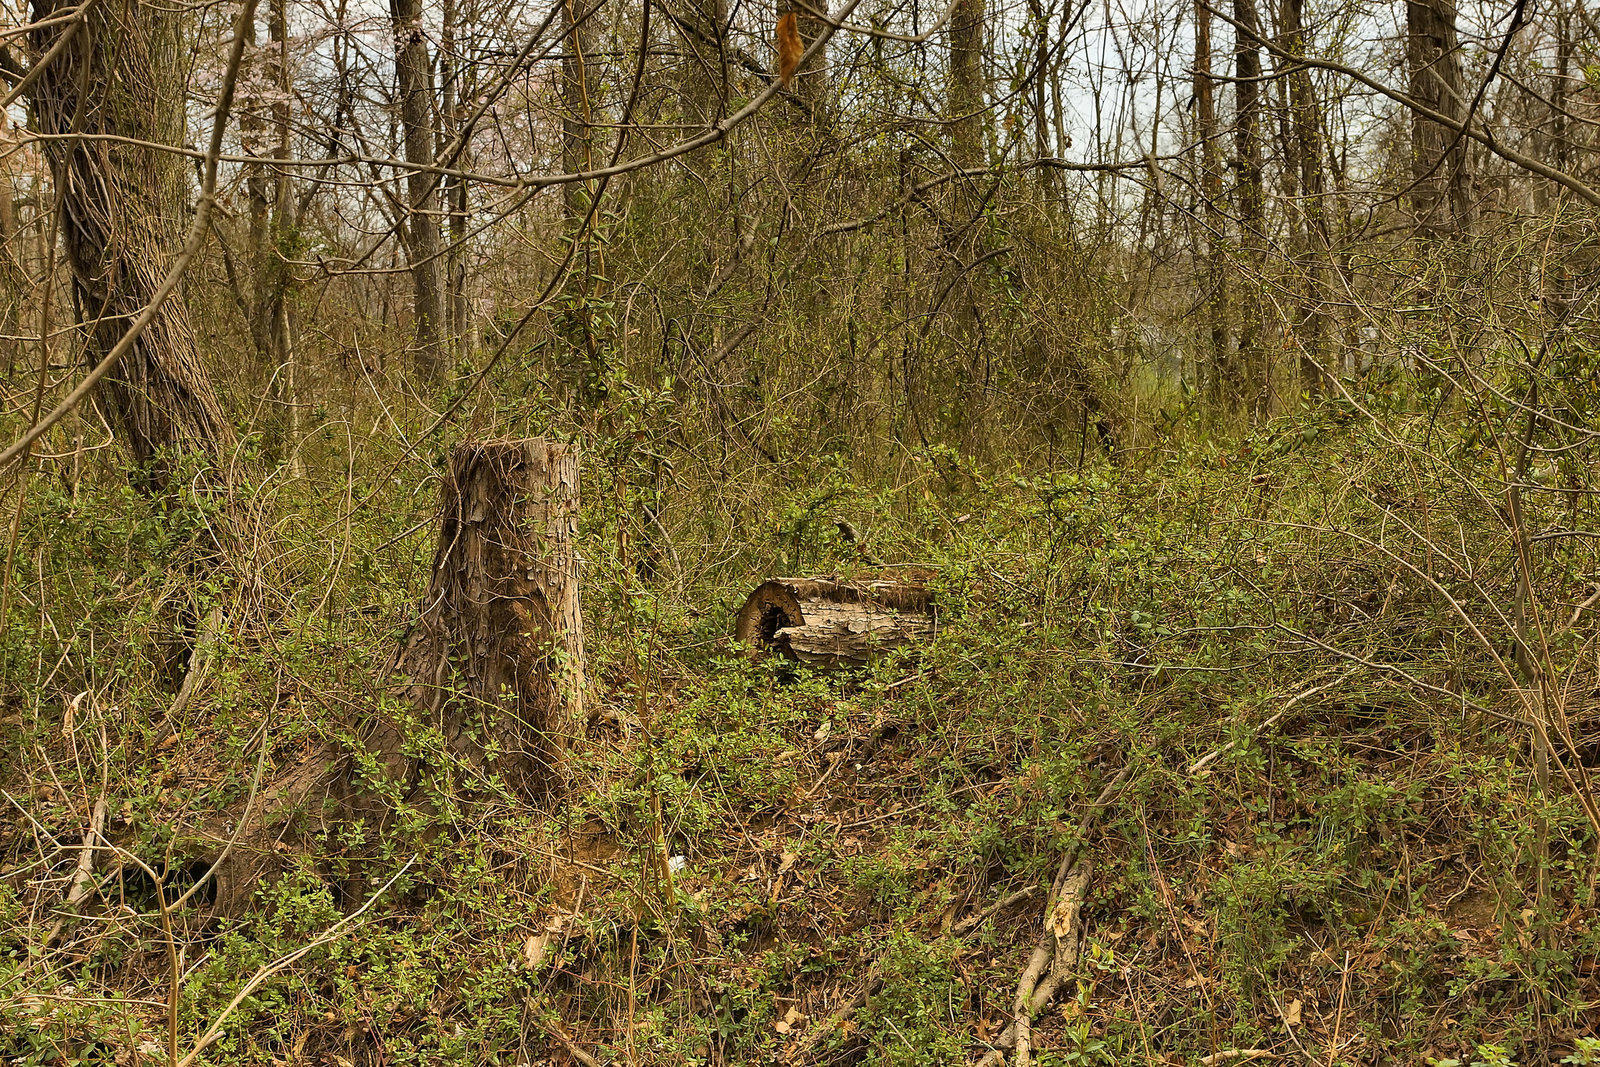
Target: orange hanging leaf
<point x="790" y="48"/>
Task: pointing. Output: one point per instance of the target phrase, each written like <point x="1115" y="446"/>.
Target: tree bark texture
<point x="965" y="102"/>
<point x="457" y="86"/>
<point x="1305" y="166"/>
<point x="13" y="277"/>
<point x="580" y="23"/>
<point x="414" y="86"/>
<point x="265" y="128"/>
<point x="1251" y="383"/>
<point x="124" y="210"/>
<point x="496" y="658"/>
<point x="579" y="20"/>
<point x="1441" y="196"/>
<point x="1219" y="367"/>
<point x="831" y="622"/>
<point x="812" y="81"/>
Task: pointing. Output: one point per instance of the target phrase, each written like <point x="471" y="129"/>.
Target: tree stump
<point x="496" y="657"/>
<point x="832" y="622"/>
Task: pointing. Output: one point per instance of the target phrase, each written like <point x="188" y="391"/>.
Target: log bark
<point x="496" y="657"/>
<point x="832" y="622"/>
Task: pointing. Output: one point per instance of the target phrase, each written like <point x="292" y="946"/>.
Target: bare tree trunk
<point x="1441" y="193"/>
<point x="414" y="86"/>
<point x="121" y="79"/>
<point x="965" y="105"/>
<point x="1041" y="116"/>
<point x="1218" y="370"/>
<point x="1305" y="150"/>
<point x="269" y="192"/>
<point x="703" y="29"/>
<point x="813" y="81"/>
<point x="1560" y="125"/>
<point x="580" y="22"/>
<point x="13" y="277"/>
<point x="1255" y="377"/>
<point x="456" y="85"/>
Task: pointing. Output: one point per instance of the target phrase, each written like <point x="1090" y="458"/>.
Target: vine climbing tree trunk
<point x="119" y="82"/>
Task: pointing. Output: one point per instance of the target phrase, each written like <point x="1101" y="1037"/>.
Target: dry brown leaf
<point x="791" y="1019"/>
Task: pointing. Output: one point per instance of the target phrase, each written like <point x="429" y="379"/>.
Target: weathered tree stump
<point x="832" y="622"/>
<point x="494" y="660"/>
<point x="496" y="657"/>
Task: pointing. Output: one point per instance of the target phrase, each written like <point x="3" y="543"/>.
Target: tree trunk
<point x="579" y="20"/>
<point x="1305" y="149"/>
<point x="1254" y="380"/>
<point x="414" y="86"/>
<point x="964" y="106"/>
<point x="1038" y="20"/>
<point x="494" y="663"/>
<point x="1218" y="370"/>
<point x="265" y="126"/>
<point x="457" y="87"/>
<point x="496" y="659"/>
<point x="829" y="622"/>
<point x="1441" y="194"/>
<point x="1560" y="125"/>
<point x="13" y="278"/>
<point x="812" y="81"/>
<point x="704" y="82"/>
<point x="121" y="78"/>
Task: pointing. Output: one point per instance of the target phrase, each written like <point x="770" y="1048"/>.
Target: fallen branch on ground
<point x="80" y="880"/>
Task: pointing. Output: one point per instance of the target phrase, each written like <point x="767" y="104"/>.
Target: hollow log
<point x="495" y="658"/>
<point x="833" y="622"/>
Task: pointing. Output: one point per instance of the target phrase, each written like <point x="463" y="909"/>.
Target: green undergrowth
<point x="1363" y="869"/>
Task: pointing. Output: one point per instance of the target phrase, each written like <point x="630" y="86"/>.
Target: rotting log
<point x="834" y="622"/>
<point x="495" y="658"/>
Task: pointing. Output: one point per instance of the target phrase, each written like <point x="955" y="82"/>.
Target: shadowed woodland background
<point x="1231" y="370"/>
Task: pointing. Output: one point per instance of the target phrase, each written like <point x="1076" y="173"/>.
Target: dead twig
<point x="972" y="922"/>
<point x="572" y="1048"/>
<point x="1266" y="724"/>
<point x="80" y="879"/>
<point x="840" y="1015"/>
<point x="1057" y="950"/>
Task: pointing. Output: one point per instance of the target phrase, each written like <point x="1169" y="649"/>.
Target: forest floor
<point x="1336" y="836"/>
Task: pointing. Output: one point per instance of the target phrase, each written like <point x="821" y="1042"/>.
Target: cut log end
<point x="834" y="622"/>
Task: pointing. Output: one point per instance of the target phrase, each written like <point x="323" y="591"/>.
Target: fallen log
<point x="833" y="622"/>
